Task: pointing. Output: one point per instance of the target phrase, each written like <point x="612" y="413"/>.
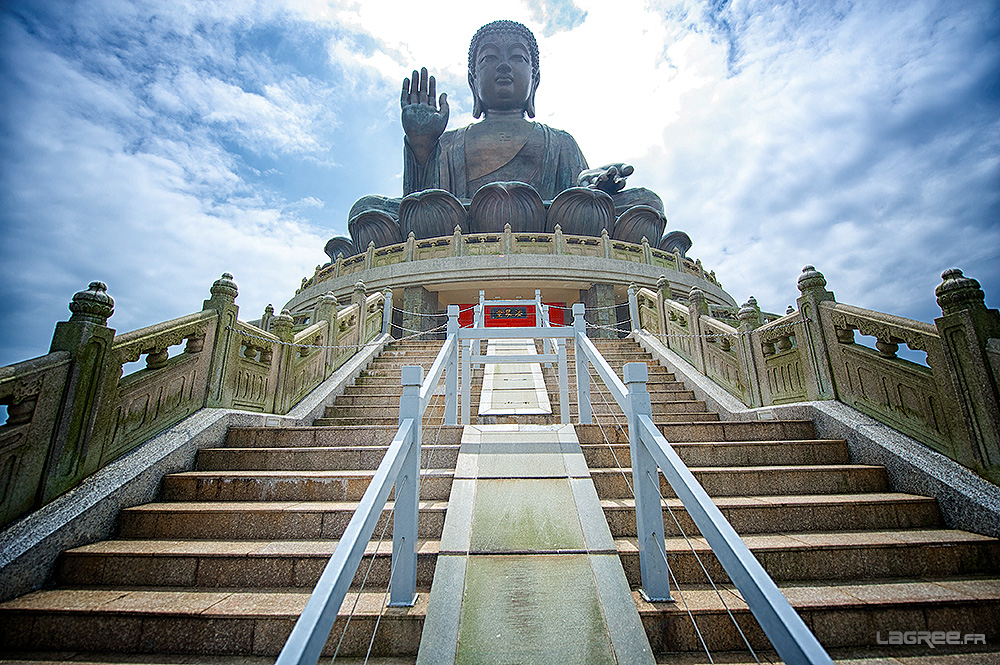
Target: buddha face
<point x="503" y="79"/>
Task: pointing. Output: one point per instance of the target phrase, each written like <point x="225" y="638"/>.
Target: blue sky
<point x="154" y="145"/>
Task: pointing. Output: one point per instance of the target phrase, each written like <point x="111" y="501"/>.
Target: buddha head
<point x="503" y="68"/>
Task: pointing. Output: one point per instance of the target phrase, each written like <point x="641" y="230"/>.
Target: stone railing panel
<point x="898" y="392"/>
<point x="255" y="369"/>
<point x="483" y="244"/>
<point x="32" y="391"/>
<point x="163" y="393"/>
<point x="784" y="374"/>
<point x="305" y="367"/>
<point x="720" y="348"/>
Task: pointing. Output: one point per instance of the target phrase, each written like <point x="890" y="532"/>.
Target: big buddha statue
<point x="505" y="168"/>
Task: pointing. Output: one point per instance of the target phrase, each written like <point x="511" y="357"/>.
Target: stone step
<point x="325" y="437"/>
<point x="797" y="513"/>
<point x="314" y="458"/>
<point x="672" y="389"/>
<point x="729" y="453"/>
<point x="730" y="430"/>
<point x="208" y="622"/>
<point x="378" y="405"/>
<point x="837" y="555"/>
<point x="239" y="564"/>
<point x="840" y="615"/>
<point x="254" y="520"/>
<point x="758" y="480"/>
<point x="866" y="655"/>
<point x="434" y="416"/>
<point x="61" y="658"/>
<point x="342" y="485"/>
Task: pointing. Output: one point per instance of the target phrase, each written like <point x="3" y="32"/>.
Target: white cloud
<point x="156" y="144"/>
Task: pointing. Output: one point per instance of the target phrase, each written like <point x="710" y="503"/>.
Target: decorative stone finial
<point x="698" y="301"/>
<point x="789" y="310"/>
<point x="225" y="287"/>
<point x="749" y="314"/>
<point x="811" y="280"/>
<point x="328" y="297"/>
<point x="93" y="305"/>
<point x="957" y="292"/>
<point x="662" y="282"/>
<point x="269" y="310"/>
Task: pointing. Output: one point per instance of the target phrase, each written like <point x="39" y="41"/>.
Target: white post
<point x="403" y="582"/>
<point x="653" y="572"/>
<point x="582" y="365"/>
<point x="451" y="370"/>
<point x="563" y="383"/>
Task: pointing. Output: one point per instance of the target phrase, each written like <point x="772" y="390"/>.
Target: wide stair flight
<point x="222" y="565"/>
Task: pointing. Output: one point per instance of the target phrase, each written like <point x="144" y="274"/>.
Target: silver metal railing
<point x="400" y="467"/>
<point x="650" y="452"/>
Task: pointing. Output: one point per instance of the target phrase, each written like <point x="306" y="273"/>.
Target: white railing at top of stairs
<point x="650" y="453"/>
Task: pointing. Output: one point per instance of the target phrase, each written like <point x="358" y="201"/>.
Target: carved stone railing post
<point x="967" y="328"/>
<point x="647" y="253"/>
<point x="358" y="295"/>
<point x="87" y="338"/>
<point x="370" y="256"/>
<point x="326" y="310"/>
<point x="227" y="339"/>
<point x="697" y="307"/>
<point x="678" y="260"/>
<point x="508" y="239"/>
<point x="457" y="242"/>
<point x="387" y="311"/>
<point x="606" y="244"/>
<point x="411" y="246"/>
<point x="815" y="346"/>
<point x="749" y="351"/>
<point x="559" y="241"/>
<point x="662" y="296"/>
<point x="265" y="320"/>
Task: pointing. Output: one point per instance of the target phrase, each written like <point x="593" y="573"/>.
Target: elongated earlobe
<point x="477" y="106"/>
<point x="529" y="105"/>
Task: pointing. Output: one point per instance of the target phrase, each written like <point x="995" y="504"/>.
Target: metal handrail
<point x="652" y="454"/>
<point x="399" y="468"/>
<point x="789" y="635"/>
<point x="305" y="643"/>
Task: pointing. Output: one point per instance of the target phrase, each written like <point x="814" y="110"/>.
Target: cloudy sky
<point x="154" y="144"/>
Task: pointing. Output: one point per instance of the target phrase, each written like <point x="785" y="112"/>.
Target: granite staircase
<point x="220" y="567"/>
<point x="855" y="558"/>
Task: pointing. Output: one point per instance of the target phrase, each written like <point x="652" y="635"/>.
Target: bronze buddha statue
<point x="505" y="154"/>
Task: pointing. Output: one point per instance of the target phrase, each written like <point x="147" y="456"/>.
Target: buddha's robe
<point x="550" y="161"/>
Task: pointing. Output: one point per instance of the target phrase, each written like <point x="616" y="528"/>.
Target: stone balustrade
<point x="72" y="411"/>
<point x="508" y="242"/>
<point x="951" y="404"/>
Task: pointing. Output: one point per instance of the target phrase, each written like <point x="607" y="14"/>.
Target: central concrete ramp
<point x="528" y="571"/>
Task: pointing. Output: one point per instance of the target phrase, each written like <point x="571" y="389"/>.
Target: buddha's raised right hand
<point x="423" y="121"/>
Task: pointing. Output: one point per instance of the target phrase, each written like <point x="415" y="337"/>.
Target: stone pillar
<point x="88" y="340"/>
<point x="697" y="308"/>
<point x="265" y="320"/>
<point x="418" y="306"/>
<point x="326" y="310"/>
<point x="815" y="349"/>
<point x="750" y="355"/>
<point x="600" y="302"/>
<point x="969" y="331"/>
<point x="223" y="300"/>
